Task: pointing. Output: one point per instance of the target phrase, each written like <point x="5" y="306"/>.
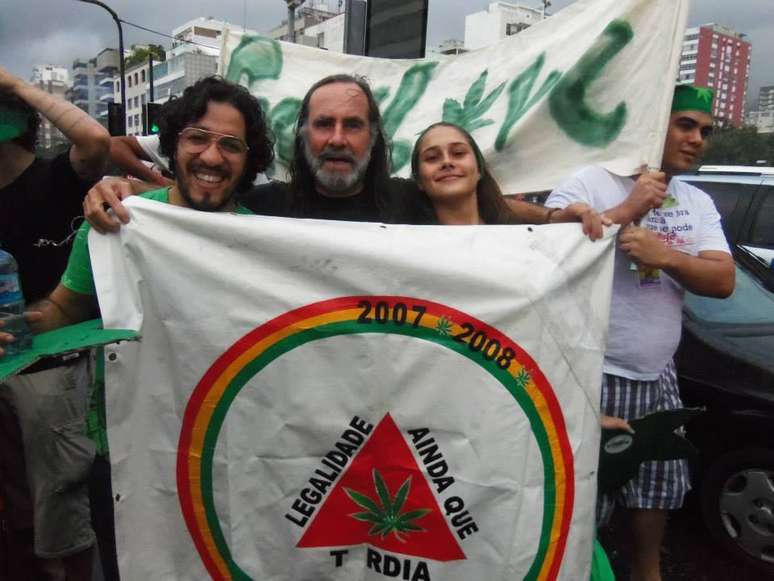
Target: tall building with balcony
<point x="137" y="94"/>
<point x="717" y="57"/>
<point x="763" y="117"/>
<point x="55" y="80"/>
<point x="46" y="73"/>
<point x="194" y="55"/>
<point x="499" y="20"/>
<point x="763" y="121"/>
<point x="92" y="88"/>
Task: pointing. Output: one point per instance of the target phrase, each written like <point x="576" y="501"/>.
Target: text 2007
<point x="381" y="313"/>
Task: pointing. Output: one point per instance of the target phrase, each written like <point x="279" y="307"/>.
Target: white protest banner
<point x="332" y="400"/>
<point x="592" y="84"/>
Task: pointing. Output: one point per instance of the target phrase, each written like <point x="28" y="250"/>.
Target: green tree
<point x="140" y="54"/>
<point x="739" y="146"/>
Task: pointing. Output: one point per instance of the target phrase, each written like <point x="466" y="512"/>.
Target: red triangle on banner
<point x="354" y="512"/>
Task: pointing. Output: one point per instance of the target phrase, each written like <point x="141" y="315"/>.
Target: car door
<point x="759" y="237"/>
<point x="733" y="197"/>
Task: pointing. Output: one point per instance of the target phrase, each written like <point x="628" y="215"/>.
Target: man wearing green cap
<point x="671" y="241"/>
<point x="39" y="200"/>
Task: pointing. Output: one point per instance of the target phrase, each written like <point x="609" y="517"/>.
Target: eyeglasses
<point x="195" y="140"/>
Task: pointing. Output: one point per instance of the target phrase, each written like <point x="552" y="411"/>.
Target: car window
<point x="731" y="200"/>
<point x="763" y="228"/>
<point x="750" y="304"/>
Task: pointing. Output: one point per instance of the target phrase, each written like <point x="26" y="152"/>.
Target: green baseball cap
<point x="690" y="98"/>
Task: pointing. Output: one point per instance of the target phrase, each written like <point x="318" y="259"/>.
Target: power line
<point x="146" y="29"/>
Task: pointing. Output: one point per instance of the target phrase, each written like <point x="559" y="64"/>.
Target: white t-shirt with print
<point x="646" y="308"/>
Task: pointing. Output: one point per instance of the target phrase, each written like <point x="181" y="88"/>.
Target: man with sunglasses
<point x="215" y="138"/>
<point x="671" y="241"/>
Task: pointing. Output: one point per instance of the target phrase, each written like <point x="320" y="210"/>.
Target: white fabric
<point x="645" y="320"/>
<point x="150" y="145"/>
<point x="537" y="150"/>
<point x="194" y="283"/>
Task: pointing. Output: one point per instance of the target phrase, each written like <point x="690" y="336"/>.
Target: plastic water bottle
<point x="12" y="306"/>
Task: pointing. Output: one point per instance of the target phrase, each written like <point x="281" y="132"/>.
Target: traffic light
<point x="150" y="118"/>
<point x="116" y="119"/>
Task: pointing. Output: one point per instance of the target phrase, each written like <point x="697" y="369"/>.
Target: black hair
<point x="29" y="139"/>
<point x="178" y="113"/>
<point x="492" y="206"/>
<point x="376" y="180"/>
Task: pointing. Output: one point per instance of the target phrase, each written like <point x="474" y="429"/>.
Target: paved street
<point x="688" y="554"/>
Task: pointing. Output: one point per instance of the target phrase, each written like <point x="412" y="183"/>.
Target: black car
<point x="726" y="364"/>
<point x="744" y="196"/>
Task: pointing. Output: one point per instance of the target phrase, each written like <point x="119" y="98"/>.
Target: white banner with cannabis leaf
<point x="328" y="400"/>
<point x="592" y="84"/>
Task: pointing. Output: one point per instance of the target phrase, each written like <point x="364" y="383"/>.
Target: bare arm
<point x="710" y="274"/>
<point x="529" y="213"/>
<point x="126" y="153"/>
<point x="90" y="141"/>
<point x="63" y="307"/>
<point x="614" y="423"/>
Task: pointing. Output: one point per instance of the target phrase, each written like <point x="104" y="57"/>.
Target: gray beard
<point x="336" y="183"/>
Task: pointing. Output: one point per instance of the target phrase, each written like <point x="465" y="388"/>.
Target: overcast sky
<point x="59" y="31"/>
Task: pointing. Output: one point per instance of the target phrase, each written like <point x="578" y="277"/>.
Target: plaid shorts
<point x="659" y="484"/>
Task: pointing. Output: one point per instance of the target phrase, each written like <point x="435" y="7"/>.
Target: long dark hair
<point x="377" y="177"/>
<point x="178" y="113"/>
<point x="491" y="205"/>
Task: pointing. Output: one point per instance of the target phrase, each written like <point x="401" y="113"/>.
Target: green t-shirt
<point x="78" y="276"/>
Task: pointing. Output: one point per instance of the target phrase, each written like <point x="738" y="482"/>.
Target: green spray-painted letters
<point x="568" y="99"/>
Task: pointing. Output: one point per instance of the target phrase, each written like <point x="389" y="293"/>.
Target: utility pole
<point x="121" y="68"/>
<point x="150" y="77"/>
<point x="292" y="6"/>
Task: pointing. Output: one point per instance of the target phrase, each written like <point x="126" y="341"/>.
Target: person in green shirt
<point x="216" y="139"/>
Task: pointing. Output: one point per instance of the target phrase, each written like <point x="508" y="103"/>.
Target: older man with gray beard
<point x="340" y="169"/>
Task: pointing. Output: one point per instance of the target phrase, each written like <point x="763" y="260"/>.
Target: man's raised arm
<point x="90" y="141"/>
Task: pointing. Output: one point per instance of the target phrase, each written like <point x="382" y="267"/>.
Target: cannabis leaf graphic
<point x="669" y="202"/>
<point x="474" y="107"/>
<point x="522" y="378"/>
<point x="385" y="515"/>
<point x="443" y="326"/>
<point x="704" y="94"/>
<point x="412" y="87"/>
